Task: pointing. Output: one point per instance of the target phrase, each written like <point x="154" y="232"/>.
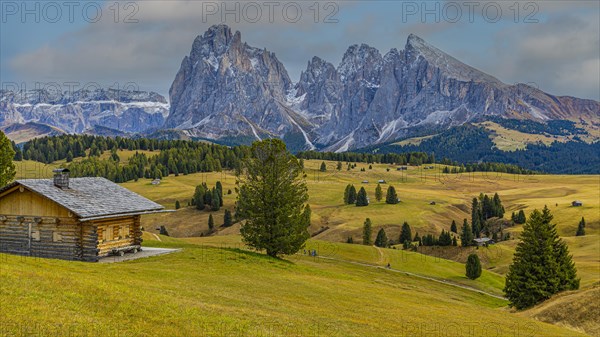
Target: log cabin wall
<point x="117" y="232"/>
<point x="40" y="237"/>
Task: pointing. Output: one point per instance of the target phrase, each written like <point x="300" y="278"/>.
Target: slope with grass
<point x="218" y="291"/>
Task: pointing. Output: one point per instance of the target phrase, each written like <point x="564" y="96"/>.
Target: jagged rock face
<point x="127" y="111"/>
<point x="226" y="88"/>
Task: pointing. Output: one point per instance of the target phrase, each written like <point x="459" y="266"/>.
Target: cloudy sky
<point x="553" y="45"/>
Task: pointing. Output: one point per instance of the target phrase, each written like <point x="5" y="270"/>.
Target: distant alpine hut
<point x="483" y="241"/>
<point x="577" y="203"/>
<point x="156" y="181"/>
<point x="71" y="218"/>
<point x="402" y="168"/>
<point x="382" y="181"/>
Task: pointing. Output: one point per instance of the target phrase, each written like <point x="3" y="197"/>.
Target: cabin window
<point x="124" y="232"/>
<point x="35" y="235"/>
<point x="108" y="234"/>
<point x="56" y="236"/>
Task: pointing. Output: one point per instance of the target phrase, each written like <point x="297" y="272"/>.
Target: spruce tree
<point x="211" y="222"/>
<point x="177" y="204"/>
<point x="391" y="197"/>
<point x="361" y="198"/>
<point x="581" y="228"/>
<point x="405" y="233"/>
<point x="466" y="236"/>
<point x="347" y="195"/>
<point x="271" y="198"/>
<point x="216" y="200"/>
<point x="541" y="264"/>
<point x="521" y="217"/>
<point x="381" y="240"/>
<point x="323" y="167"/>
<point x="473" y="267"/>
<point x="453" y="228"/>
<point x="367" y="232"/>
<point x="378" y="192"/>
<point x="198" y="198"/>
<point x="227" y="219"/>
<point x="352" y="195"/>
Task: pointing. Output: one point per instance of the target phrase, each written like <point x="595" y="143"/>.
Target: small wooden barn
<point x="70" y="218"/>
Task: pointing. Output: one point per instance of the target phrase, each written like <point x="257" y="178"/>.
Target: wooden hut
<point x="71" y="218"/>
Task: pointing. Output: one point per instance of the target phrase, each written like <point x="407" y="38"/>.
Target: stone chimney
<point x="61" y="178"/>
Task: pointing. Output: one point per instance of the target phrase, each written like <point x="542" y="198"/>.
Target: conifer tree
<point x="367" y="232"/>
<point x="177" y="204"/>
<point x="323" y="167"/>
<point x="347" y="195"/>
<point x="521" y="217"/>
<point x="381" y="240"/>
<point x="391" y="197"/>
<point x="198" y="198"/>
<point x="7" y="167"/>
<point x="227" y="219"/>
<point x="271" y="198"/>
<point x="405" y="233"/>
<point x="473" y="267"/>
<point x="378" y="192"/>
<point x="541" y="264"/>
<point x="352" y="195"/>
<point x="339" y="166"/>
<point x="361" y="198"/>
<point x="454" y="243"/>
<point x="417" y="238"/>
<point x="581" y="228"/>
<point x="466" y="236"/>
<point x="453" y="228"/>
<point x="216" y="200"/>
<point x="211" y="222"/>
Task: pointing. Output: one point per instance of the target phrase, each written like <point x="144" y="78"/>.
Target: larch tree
<point x="381" y="240"/>
<point x="272" y="196"/>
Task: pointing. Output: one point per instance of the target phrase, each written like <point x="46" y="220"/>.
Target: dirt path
<point x="452" y="284"/>
<point x="157" y="237"/>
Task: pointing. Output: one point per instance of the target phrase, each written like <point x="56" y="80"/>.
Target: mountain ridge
<point x="368" y="99"/>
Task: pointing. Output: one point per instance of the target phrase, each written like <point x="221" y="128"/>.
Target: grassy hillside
<point x="208" y="291"/>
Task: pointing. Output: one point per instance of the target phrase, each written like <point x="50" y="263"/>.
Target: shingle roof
<point x="90" y="197"/>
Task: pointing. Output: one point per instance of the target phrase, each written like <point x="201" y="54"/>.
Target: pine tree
<point x="274" y="218"/>
<point x="581" y="228"/>
<point x="211" y="222"/>
<point x="541" y="264"/>
<point x="405" y="233"/>
<point x="227" y="219"/>
<point x="466" y="237"/>
<point x="361" y="198"/>
<point x="367" y="232"/>
<point x="381" y="240"/>
<point x="378" y="192"/>
<point x="391" y="197"/>
<point x="177" y="204"/>
<point x="473" y="267"/>
<point x="453" y="228"/>
<point x="219" y="188"/>
<point x="323" y="167"/>
<point x="7" y="167"/>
